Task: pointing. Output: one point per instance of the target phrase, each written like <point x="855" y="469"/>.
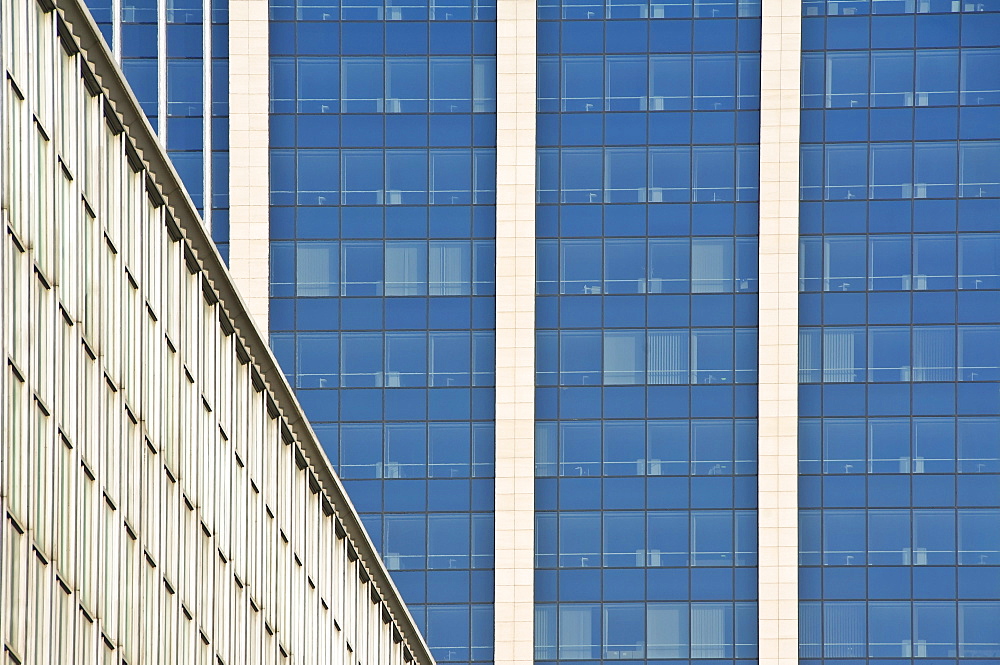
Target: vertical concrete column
<point x="161" y="71"/>
<point x="206" y="126"/>
<point x="777" y="497"/>
<point x="515" y="333"/>
<point x="249" y="250"/>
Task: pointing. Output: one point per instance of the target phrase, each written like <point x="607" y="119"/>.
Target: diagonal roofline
<point x="184" y="213"/>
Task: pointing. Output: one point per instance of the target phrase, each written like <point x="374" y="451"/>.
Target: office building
<point x="641" y="330"/>
<point x="163" y="498"/>
<point x="175" y="55"/>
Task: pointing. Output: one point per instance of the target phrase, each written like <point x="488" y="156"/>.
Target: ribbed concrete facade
<point x="163" y="498"/>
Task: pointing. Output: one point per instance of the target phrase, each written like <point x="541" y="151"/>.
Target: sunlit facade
<point x="648" y="331"/>
<point x="163" y="498"/>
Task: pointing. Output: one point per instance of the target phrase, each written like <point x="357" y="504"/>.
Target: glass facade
<point x="175" y="55"/>
<point x="900" y="331"/>
<point x="646" y="347"/>
<point x="382" y="134"/>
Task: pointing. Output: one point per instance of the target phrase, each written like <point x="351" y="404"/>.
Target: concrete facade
<point x="778" y="357"/>
<point x="515" y="334"/>
<point x="164" y="499"/>
<point x="249" y="186"/>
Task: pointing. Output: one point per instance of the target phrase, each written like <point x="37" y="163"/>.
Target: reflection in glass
<point x="361" y="360"/>
<point x="979" y="261"/>
<point x="624" y="357"/>
<point x="980" y="76"/>
<point x="978" y="169"/>
<point x="405" y="268"/>
<point x="978" y="445"/>
<point x="405" y="450"/>
<point x="889" y="634"/>
<point x="579" y="631"/>
<point x="669" y="82"/>
<point x="711" y="630"/>
<point x="667" y="630"/>
<point x="978" y="353"/>
<point x="846" y="79"/>
<point x="711" y="265"/>
<point x="844" y="633"/>
<point x="316" y="360"/>
<point x="892" y="78"/>
<point x="405" y="359"/>
<point x="843" y="355"/>
<point x="937" y="77"/>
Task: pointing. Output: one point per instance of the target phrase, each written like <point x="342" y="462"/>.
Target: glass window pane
<point x="892" y="78"/>
<point x="317" y="269"/>
<point x="979" y="353"/>
<point x="450" y="358"/>
<point x="361" y="454"/>
<point x="624" y="539"/>
<point x="582" y="83"/>
<point x="979" y="261"/>
<point x="406" y="85"/>
<point x="362" y="82"/>
<point x="318" y="85"/>
<point x="450" y="85"/>
<point x="579" y="540"/>
<point x="405" y="359"/>
<point x="405" y="268"/>
<point x="579" y="631"/>
<point x="937" y="77"/>
<point x="405" y="450"/>
<point x="624" y="631"/>
<point x="626" y="83"/>
<point x="711" y="630"/>
<point x="846" y="80"/>
<point x="580" y="449"/>
<point x="711" y="265"/>
<point x="669" y="265"/>
<point x="889" y="630"/>
<point x="980" y="76"/>
<point x="405" y="177"/>
<point x="624" y="357"/>
<point x="844" y="634"/>
<point x="450" y="447"/>
<point x="361" y="269"/>
<point x="979" y="169"/>
<point x="317" y="363"/>
<point x="450" y="268"/>
<point x="669" y="82"/>
<point x="361" y="360"/>
<point x="668" y="539"/>
<point x="712" y="539"/>
<point x="667" y="630"/>
<point x="889" y="354"/>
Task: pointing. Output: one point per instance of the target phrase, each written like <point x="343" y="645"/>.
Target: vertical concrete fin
<point x="777" y="496"/>
<point x="249" y="249"/>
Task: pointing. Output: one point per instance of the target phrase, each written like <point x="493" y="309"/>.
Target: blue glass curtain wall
<point x="899" y="372"/>
<point x="383" y="158"/>
<point x="646" y="342"/>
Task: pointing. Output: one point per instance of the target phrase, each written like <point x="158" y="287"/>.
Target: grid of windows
<point x="645" y="441"/>
<point x="159" y="502"/>
<point x="175" y="55"/>
<point x="898" y="362"/>
<point x="382" y="162"/>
